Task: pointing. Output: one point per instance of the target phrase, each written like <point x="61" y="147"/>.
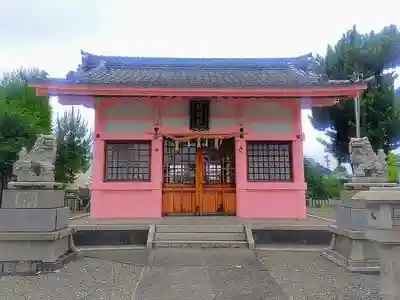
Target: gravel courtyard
<point x="169" y="274"/>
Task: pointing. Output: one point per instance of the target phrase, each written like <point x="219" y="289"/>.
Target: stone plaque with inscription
<point x="26" y="199"/>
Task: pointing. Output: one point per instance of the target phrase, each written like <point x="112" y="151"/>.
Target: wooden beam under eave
<point x="309" y="102"/>
<point x="327" y="91"/>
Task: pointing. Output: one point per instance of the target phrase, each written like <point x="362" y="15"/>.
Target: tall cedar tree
<point x="73" y="146"/>
<point x="371" y="55"/>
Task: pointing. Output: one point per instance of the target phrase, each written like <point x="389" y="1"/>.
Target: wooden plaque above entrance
<point x="199" y="112"/>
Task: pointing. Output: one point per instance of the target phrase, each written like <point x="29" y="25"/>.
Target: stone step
<point x="200" y="244"/>
<point x="175" y="228"/>
<point x="200" y="236"/>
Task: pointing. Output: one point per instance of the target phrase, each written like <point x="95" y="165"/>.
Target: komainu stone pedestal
<point x="383" y="216"/>
<point x="350" y="247"/>
<point x="34" y="232"/>
<point x="351" y="250"/>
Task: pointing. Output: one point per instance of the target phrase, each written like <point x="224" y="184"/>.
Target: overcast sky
<point x="49" y="34"/>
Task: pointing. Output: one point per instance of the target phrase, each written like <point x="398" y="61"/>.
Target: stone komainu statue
<point x="37" y="165"/>
<point x="364" y="161"/>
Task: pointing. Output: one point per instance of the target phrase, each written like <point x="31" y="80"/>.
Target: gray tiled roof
<point x="194" y="72"/>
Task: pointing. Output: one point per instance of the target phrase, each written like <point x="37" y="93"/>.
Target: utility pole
<point x="357" y="107"/>
<point x="357" y="115"/>
<point x="327" y="160"/>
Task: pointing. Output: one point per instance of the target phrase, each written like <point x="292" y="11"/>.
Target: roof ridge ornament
<point x="84" y="53"/>
<point x="84" y="64"/>
<point x="102" y="64"/>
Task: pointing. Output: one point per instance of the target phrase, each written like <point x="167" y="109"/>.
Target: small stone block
<point x="48" y="251"/>
<point x="19" y="268"/>
<point x="358" y="219"/>
<point x="24" y="267"/>
<point x="63" y="215"/>
<point x="8" y="268"/>
<point x="343" y="216"/>
<point x="30" y="220"/>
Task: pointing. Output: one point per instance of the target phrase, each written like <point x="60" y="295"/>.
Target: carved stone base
<point x="390" y="271"/>
<point x="352" y="251"/>
<point x="33" y="198"/>
<point x="36" y="251"/>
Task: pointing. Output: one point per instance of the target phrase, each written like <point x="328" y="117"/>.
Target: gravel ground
<point x="307" y="275"/>
<point x="219" y="274"/>
<point x="83" y="279"/>
<point x="168" y="274"/>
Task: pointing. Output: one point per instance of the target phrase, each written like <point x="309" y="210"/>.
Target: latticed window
<point x="179" y="166"/>
<point x="269" y="161"/>
<point x="128" y="160"/>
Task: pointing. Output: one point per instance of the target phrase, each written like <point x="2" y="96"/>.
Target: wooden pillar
<point x="199" y="177"/>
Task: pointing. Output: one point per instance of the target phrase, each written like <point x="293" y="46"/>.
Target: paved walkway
<point x="162" y="274"/>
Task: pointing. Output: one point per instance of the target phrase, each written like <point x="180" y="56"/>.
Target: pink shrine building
<point x="197" y="136"/>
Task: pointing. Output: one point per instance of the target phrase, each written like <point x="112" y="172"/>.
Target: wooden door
<point x="179" y="188"/>
<point x="218" y="174"/>
<point x="199" y="180"/>
<point x="196" y="183"/>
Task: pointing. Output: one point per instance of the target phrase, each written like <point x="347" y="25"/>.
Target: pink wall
<point x="134" y="119"/>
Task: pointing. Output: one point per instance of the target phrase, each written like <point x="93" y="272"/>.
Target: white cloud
<point x="252" y="28"/>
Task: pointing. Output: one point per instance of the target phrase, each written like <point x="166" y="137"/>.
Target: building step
<point x="200" y="236"/>
<point x="200" y="244"/>
<point x="174" y="228"/>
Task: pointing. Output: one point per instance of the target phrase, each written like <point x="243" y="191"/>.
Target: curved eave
<point x="329" y="90"/>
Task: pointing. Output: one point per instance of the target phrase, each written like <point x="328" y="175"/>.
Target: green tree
<point x="319" y="185"/>
<point x="16" y="132"/>
<point x="393" y="167"/>
<point x="314" y="178"/>
<point x="14" y="86"/>
<point x="73" y="146"/>
<point x="22" y="116"/>
<point x="370" y="55"/>
<point x="331" y="187"/>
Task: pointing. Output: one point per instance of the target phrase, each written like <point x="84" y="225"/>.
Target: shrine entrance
<point x="199" y="177"/>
